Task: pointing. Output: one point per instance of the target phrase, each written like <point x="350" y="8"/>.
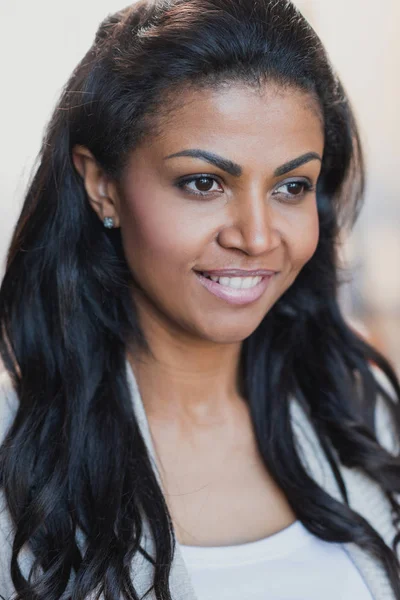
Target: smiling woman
<point x="185" y="411"/>
<point x="258" y="212"/>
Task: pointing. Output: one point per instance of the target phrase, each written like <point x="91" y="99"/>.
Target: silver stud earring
<point x="108" y="222"/>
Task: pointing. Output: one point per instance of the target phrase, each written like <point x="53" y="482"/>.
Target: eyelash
<point x="308" y="187"/>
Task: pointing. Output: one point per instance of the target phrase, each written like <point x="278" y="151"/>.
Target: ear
<point x="101" y="191"/>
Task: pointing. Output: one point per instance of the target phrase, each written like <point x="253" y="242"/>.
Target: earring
<point x="108" y="222"/>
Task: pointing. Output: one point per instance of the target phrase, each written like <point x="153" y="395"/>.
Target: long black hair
<point x="67" y="315"/>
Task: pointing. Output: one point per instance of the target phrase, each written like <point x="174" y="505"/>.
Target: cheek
<point x="157" y="236"/>
<point x="304" y="238"/>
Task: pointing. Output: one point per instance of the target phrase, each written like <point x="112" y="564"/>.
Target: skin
<point x="190" y="385"/>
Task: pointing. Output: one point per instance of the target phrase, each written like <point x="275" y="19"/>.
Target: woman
<point x="185" y="411"/>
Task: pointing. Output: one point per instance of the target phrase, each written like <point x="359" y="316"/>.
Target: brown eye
<point x="202" y="185"/>
<point x="296" y="189"/>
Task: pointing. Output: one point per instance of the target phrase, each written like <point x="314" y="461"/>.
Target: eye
<point x="296" y="189"/>
<point x="203" y="184"/>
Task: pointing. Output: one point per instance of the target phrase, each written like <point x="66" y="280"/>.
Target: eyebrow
<point x="236" y="170"/>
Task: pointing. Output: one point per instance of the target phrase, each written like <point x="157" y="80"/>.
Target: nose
<point x="252" y="226"/>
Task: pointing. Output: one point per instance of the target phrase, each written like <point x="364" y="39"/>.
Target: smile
<point x="236" y="290"/>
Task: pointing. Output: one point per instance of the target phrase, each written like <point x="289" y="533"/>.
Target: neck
<point x="190" y="381"/>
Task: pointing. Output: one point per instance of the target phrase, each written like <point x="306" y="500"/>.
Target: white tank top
<point x="291" y="564"/>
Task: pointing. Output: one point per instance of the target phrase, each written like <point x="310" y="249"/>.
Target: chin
<point x="228" y="334"/>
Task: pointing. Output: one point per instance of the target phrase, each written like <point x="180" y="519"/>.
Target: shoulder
<point x="386" y="430"/>
<point x="308" y="442"/>
<point x="8" y="408"/>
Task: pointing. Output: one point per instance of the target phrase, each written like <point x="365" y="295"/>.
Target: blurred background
<point x="42" y="42"/>
<point x="363" y="42"/>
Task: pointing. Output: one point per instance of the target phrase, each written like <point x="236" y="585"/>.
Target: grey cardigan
<point x="365" y="496"/>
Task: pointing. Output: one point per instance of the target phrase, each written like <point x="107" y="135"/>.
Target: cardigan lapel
<point x="142" y="570"/>
<point x="365" y="497"/>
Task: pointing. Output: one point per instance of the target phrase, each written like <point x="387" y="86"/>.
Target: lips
<point x="241" y="296"/>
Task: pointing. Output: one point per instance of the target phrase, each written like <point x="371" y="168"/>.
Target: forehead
<point x="243" y="123"/>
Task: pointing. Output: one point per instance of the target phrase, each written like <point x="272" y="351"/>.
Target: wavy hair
<point x="67" y="315"/>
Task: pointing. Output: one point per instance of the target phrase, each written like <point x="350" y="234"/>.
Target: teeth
<point x="237" y="282"/>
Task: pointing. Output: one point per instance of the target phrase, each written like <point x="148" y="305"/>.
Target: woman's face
<point x="251" y="210"/>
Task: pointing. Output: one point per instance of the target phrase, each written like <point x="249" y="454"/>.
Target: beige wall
<point x="363" y="41"/>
